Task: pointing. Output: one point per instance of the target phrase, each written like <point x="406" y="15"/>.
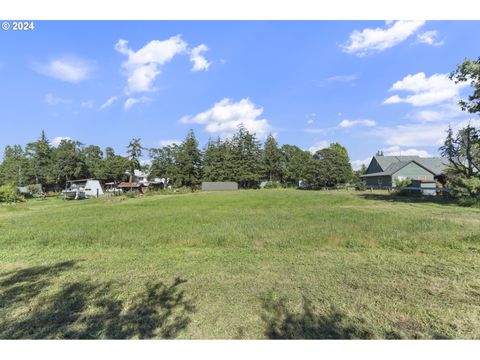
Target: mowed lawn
<point x="247" y="264"/>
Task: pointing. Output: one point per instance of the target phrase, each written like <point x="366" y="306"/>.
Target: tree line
<point x="241" y="158"/>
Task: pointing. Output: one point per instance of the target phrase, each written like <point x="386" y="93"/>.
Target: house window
<point x="421" y="177"/>
<point x="379" y="181"/>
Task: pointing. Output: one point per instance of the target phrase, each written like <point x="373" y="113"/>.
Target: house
<point x="91" y="187"/>
<point x="142" y="177"/>
<point x="385" y="171"/>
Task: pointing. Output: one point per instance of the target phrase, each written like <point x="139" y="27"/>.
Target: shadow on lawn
<point x="408" y="199"/>
<point x="281" y="323"/>
<point x="310" y="323"/>
<point x="85" y="310"/>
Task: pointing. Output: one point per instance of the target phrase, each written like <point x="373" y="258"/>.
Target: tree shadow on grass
<point x="331" y="323"/>
<point x="22" y="285"/>
<point x="408" y="199"/>
<point x="281" y="323"/>
<point x="88" y="310"/>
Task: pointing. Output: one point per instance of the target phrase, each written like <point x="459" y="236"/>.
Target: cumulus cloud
<point x="143" y="66"/>
<point x="133" y="101"/>
<point x="56" y="141"/>
<point x="319" y="145"/>
<point x="430" y="38"/>
<point x="109" y="102"/>
<point x="370" y="41"/>
<point x="199" y="61"/>
<point x="413" y="134"/>
<point x="441" y="112"/>
<point x="70" y="69"/>
<point x="425" y="90"/>
<point x="398" y="151"/>
<point x="50" y="99"/>
<point x="225" y="117"/>
<point x="419" y="135"/>
<point x="362" y="122"/>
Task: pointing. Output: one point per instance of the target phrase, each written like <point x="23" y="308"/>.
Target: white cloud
<point x="133" y="101"/>
<point x="87" y="104"/>
<point x="56" y="141"/>
<point x="397" y="151"/>
<point x="431" y="90"/>
<point x="319" y="145"/>
<point x="357" y="164"/>
<point x="69" y="69"/>
<point x="441" y="112"/>
<point x="429" y="37"/>
<point x="199" y="61"/>
<point x="54" y="100"/>
<point x="109" y="102"/>
<point x="426" y="134"/>
<point x="370" y="41"/>
<point x="225" y="117"/>
<point x="143" y="65"/>
<point x="363" y="122"/>
<point x="169" y="142"/>
<point x="413" y="134"/>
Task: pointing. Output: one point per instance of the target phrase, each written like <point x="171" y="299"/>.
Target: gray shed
<point x="219" y="186"/>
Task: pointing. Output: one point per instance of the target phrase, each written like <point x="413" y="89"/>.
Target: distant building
<point x="219" y="185"/>
<point x="385" y="171"/>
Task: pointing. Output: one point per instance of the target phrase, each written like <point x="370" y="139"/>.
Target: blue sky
<point x="369" y="85"/>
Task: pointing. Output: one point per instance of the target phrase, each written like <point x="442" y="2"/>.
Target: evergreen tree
<point x="39" y="154"/>
<point x="271" y="160"/>
<point x="189" y="161"/>
<point x="245" y="158"/>
<point x="215" y="161"/>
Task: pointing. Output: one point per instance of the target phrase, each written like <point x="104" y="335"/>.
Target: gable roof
<point x="386" y="161"/>
<point x="391" y="164"/>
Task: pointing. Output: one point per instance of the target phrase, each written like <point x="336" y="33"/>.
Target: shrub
<point x="272" y="185"/>
<point x="9" y="194"/>
<point x="33" y="189"/>
<point x="403" y="183"/>
<point x="469" y="202"/>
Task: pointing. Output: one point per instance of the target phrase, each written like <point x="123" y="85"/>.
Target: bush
<point x="469" y="202"/>
<point x="9" y="194"/>
<point x="403" y="183"/>
<point x="272" y="185"/>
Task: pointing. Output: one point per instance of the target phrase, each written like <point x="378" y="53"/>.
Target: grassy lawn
<point x="245" y="264"/>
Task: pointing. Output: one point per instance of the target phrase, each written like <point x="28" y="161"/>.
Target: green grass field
<point x="245" y="264"/>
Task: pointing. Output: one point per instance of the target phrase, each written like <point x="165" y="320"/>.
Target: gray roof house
<point x="384" y="171"/>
